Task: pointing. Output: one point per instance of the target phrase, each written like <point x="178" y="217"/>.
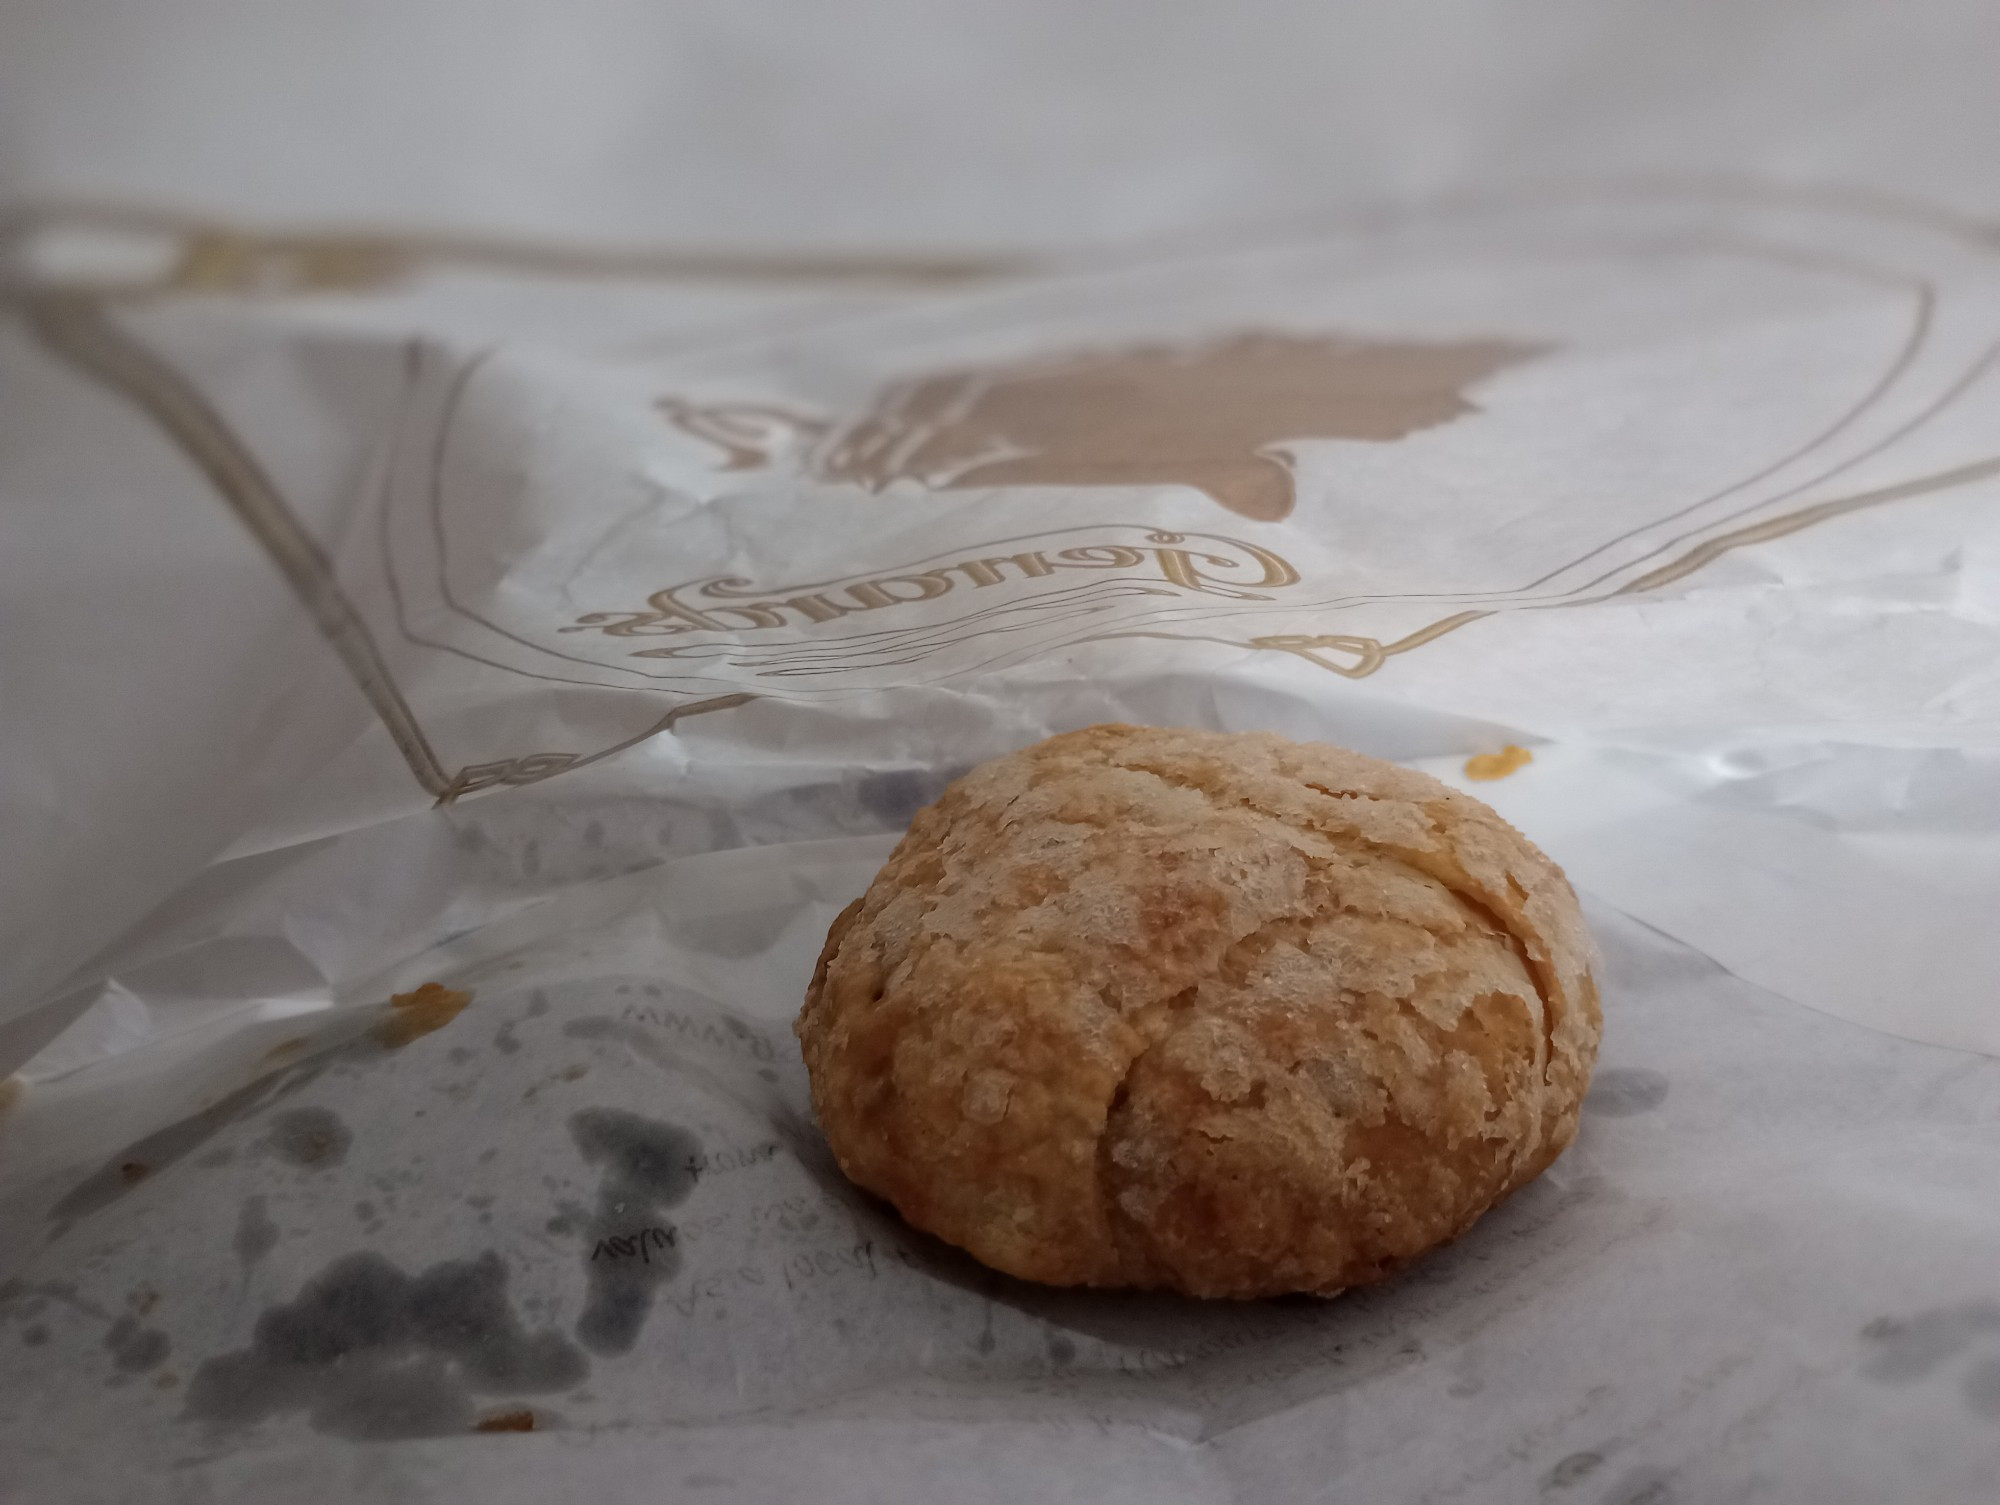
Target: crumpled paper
<point x="577" y="644"/>
<point x="585" y="1233"/>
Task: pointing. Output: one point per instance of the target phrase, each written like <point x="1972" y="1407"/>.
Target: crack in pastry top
<point x="1329" y="848"/>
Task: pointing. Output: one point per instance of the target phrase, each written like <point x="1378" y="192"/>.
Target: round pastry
<point x="1224" y="1014"/>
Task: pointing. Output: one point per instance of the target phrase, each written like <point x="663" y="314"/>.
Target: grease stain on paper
<point x="256" y="1235"/>
<point x="646" y="1168"/>
<point x="1573" y="1469"/>
<point x="1625" y="1092"/>
<point x="310" y="1138"/>
<point x="369" y="1352"/>
<point x="146" y="1157"/>
<point x="1644" y="1486"/>
<point x="135" y="1349"/>
<point x="1907" y="1349"/>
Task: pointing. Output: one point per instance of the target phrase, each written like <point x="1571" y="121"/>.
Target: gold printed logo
<point x="1215" y="416"/>
<point x="1061" y="579"/>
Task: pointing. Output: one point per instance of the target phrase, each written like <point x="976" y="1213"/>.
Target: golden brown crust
<point x="1227" y="1014"/>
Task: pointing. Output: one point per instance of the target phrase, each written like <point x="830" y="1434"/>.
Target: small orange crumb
<point x="1488" y="766"/>
<point x="414" y="1015"/>
<point x="286" y="1048"/>
<point x="10" y="1092"/>
<point x="132" y="1172"/>
<point x="507" y="1421"/>
<point x="143" y="1299"/>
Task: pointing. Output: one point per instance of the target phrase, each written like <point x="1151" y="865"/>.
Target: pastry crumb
<point x="507" y="1421"/>
<point x="414" y="1015"/>
<point x="1486" y="767"/>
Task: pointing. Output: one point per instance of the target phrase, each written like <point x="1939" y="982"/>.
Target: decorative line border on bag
<point x="74" y="327"/>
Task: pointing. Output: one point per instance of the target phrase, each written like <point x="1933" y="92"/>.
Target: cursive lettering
<point x="1160" y="562"/>
<point x="638" y="1245"/>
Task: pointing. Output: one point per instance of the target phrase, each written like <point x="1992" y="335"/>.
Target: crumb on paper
<point x="11" y="1089"/>
<point x="1488" y="766"/>
<point x="507" y="1421"/>
<point x="132" y="1172"/>
<point x="414" y="1015"/>
<point x="285" y="1048"/>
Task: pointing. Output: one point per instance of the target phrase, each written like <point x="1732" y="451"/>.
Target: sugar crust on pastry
<point x="1221" y="1013"/>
